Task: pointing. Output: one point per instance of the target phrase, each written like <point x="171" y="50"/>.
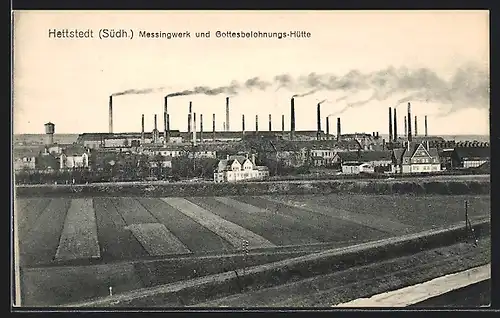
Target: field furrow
<point x="132" y="211"/>
<point x="40" y="244"/>
<point x="195" y="236"/>
<point x="262" y="224"/>
<point x="28" y="215"/>
<point x="157" y="240"/>
<point x="79" y="235"/>
<point x="368" y="220"/>
<point x="115" y="241"/>
<point x="322" y="228"/>
<point x="233" y="233"/>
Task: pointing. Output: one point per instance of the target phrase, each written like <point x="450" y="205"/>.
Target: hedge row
<point x="448" y="187"/>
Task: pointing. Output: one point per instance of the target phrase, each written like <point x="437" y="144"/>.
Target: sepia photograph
<point x="251" y="159"/>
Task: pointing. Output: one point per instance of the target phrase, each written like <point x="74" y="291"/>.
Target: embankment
<point x="281" y="272"/>
<point x="420" y="186"/>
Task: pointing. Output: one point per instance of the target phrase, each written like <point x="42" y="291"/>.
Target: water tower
<point x="49" y="132"/>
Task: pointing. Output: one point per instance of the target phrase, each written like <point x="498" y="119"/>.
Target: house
<point x="25" y="158"/>
<point x="74" y="157"/>
<point x="357" y="167"/>
<point x="470" y="157"/>
<point x="322" y="156"/>
<point x="415" y="158"/>
<point x="366" y="161"/>
<point x="237" y="168"/>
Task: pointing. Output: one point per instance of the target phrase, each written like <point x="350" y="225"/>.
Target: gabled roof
<point x="472" y="152"/>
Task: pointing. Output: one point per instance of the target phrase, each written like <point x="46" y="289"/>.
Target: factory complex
<point x="234" y="155"/>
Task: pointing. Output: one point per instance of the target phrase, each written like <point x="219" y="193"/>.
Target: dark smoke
<point x="324" y="100"/>
<point x="139" y="91"/>
<point x="232" y="90"/>
<point x="305" y="94"/>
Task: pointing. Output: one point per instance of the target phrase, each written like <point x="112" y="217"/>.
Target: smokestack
<point x="243" y="124"/>
<point x="327" y="127"/>
<point x="292" y="118"/>
<point x="425" y="125"/>
<point x="201" y="127"/>
<point x="283" y="124"/>
<point x="339" y="131"/>
<point x="409" y="122"/>
<point x="194" y="128"/>
<point x="318" y="121"/>
<point x="155" y="131"/>
<point x="395" y="126"/>
<point x="256" y="123"/>
<point x="110" y="114"/>
<point x="168" y="127"/>
<point x="406" y="127"/>
<point x="416" y="127"/>
<point x="224" y="126"/>
<point x="142" y="129"/>
<point x="165" y="136"/>
<point x="189" y="116"/>
<point x="156" y="125"/>
<point x="227" y="113"/>
<point x="213" y="126"/>
<point x="270" y="123"/>
<point x="390" y="124"/>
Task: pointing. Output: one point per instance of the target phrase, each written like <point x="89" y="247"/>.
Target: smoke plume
<point x="324" y="100"/>
<point x="139" y="91"/>
<point x="467" y="88"/>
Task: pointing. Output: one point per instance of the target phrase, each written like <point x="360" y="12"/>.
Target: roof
<point x="365" y="156"/>
<point x="74" y="150"/>
<point x="400" y="153"/>
<point x="472" y="152"/>
<point x="30" y="152"/>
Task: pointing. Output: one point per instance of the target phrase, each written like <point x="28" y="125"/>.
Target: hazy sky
<point x="68" y="81"/>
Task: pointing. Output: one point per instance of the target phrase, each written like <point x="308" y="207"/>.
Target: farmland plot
<point x="40" y="244"/>
<point x="79" y="235"/>
<point x="255" y="219"/>
<point x="132" y="211"/>
<point x="115" y="241"/>
<point x="195" y="236"/>
<point x="157" y="240"/>
<point x="367" y="220"/>
<point x="321" y="227"/>
<point x="418" y="211"/>
<point x="228" y="230"/>
<point x="27" y="213"/>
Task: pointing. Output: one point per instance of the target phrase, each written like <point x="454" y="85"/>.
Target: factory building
<point x="470" y="157"/>
<point x="354" y="162"/>
<point x="74" y="157"/>
<point x="239" y="168"/>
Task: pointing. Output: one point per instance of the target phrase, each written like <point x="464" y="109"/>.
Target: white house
<point x="237" y="168"/>
<point x="74" y="157"/>
<point x="416" y="158"/>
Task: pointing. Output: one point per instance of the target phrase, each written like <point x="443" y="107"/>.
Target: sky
<point x="360" y="62"/>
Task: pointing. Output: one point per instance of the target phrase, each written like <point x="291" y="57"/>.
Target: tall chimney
<point x="243" y="124"/>
<point x="155" y="131"/>
<point x="165" y="132"/>
<point x="156" y="124"/>
<point x="165" y="135"/>
<point x="213" y="127"/>
<point x="168" y="127"/>
<point x="339" y="131"/>
<point x="256" y="123"/>
<point x="406" y="127"/>
<point x="201" y="127"/>
<point x="395" y="126"/>
<point x="270" y="123"/>
<point x="425" y="124"/>
<point x="390" y="124"/>
<point x="227" y="113"/>
<point x="142" y="129"/>
<point x="283" y="124"/>
<point x="327" y="127"/>
<point x="318" y="121"/>
<point x="409" y="122"/>
<point x="189" y="117"/>
<point x="224" y="126"/>
<point x="416" y="127"/>
<point x="110" y="114"/>
<point x="292" y="118"/>
<point x="194" y="128"/>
